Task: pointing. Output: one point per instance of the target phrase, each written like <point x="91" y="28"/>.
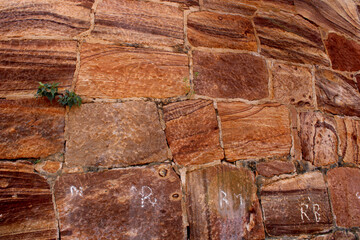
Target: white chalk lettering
<point x="75" y="191"/>
<point x="146" y="193"/>
<point x="303" y="213"/>
<point x="316" y="209"/>
<point x="223" y="199"/>
<point x="239" y="196"/>
<point x="358" y="195"/>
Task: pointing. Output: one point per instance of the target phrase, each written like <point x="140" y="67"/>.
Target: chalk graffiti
<point x="75" y="191"/>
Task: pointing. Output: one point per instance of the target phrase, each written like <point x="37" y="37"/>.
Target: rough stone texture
<point x="318" y="137"/>
<point x="26" y="207"/>
<point x="117" y="134"/>
<point x="345" y="195"/>
<point x="109" y="71"/>
<point x="292" y="84"/>
<point x="30" y="128"/>
<point x="184" y="2"/>
<point x="275" y="5"/>
<point x="222" y="204"/>
<point x="230" y="6"/>
<point x="296" y="205"/>
<point x="44" y="18"/>
<point x="230" y="75"/>
<point x="270" y="169"/>
<point x="290" y="37"/>
<point x="25" y="63"/>
<point x="254" y="131"/>
<point x="133" y="203"/>
<point x="208" y="29"/>
<point x="349" y="135"/>
<point x="344" y="53"/>
<point x="139" y="22"/>
<point x="339" y="15"/>
<point x="336" y="93"/>
<point x="338" y="235"/>
<point x="48" y="167"/>
<point x="192" y="132"/>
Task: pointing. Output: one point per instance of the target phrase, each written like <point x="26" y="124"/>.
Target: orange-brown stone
<point x="231" y="6"/>
<point x="272" y="168"/>
<point x="48" y="167"/>
<point x="338" y="235"/>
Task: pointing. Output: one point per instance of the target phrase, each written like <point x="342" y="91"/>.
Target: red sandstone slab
<point x="231" y="6"/>
<point x="270" y="169"/>
<point x="132" y="203"/>
<point x="139" y="22"/>
<point x="44" y="18"/>
<point x="344" y="186"/>
<point x="230" y="75"/>
<point x="109" y="71"/>
<point x="222" y="204"/>
<point x="254" y="131"/>
<point x="26" y="207"/>
<point x="185" y="2"/>
<point x="25" y="63"/>
<point x="214" y="30"/>
<point x="318" y="138"/>
<point x="296" y="205"/>
<point x="30" y="128"/>
<point x="192" y="132"/>
<point x="115" y="134"/>
<point x="338" y="235"/>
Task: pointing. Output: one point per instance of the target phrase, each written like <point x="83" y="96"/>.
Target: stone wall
<point x="201" y="119"/>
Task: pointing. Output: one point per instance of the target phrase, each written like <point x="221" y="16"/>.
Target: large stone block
<point x="139" y="22"/>
<point x="26" y="207"/>
<point x="25" y="63"/>
<point x="30" y="128"/>
<point x="290" y="37"/>
<point x="231" y="6"/>
<point x="44" y="18"/>
<point x="132" y="203"/>
<point x="230" y="75"/>
<point x="214" y="30"/>
<point x="192" y="132"/>
<point x="296" y="205"/>
<point x="272" y="168"/>
<point x="338" y="235"/>
<point x="223" y="204"/>
<point x="109" y="71"/>
<point x="318" y="136"/>
<point x="344" y="187"/>
<point x="115" y="134"/>
<point x="254" y="131"/>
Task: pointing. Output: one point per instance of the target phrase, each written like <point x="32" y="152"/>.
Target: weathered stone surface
<point x="192" y="132"/>
<point x="132" y="203"/>
<point x="318" y="137"/>
<point x="230" y="6"/>
<point x="30" y="128"/>
<point x="26" y="207"/>
<point x="230" y="75"/>
<point x="109" y="71"/>
<point x="23" y="64"/>
<point x="292" y="84"/>
<point x="270" y="169"/>
<point x="208" y="29"/>
<point x="338" y="235"/>
<point x="222" y="204"/>
<point x="344" y="53"/>
<point x="117" y="134"/>
<point x="254" y="131"/>
<point x="276" y="5"/>
<point x="45" y="18"/>
<point x="344" y="190"/>
<point x="138" y="22"/>
<point x="185" y="2"/>
<point x="48" y="167"/>
<point x="336" y="93"/>
<point x="296" y="205"/>
<point x="290" y="37"/>
<point x="339" y="15"/>
<point x="349" y="135"/>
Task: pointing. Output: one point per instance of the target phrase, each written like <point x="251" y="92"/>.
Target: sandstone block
<point x="30" y="128"/>
<point x="214" y="30"/>
<point x="230" y="75"/>
<point x="222" y="203"/>
<point x="270" y="169"/>
<point x="276" y="5"/>
<point x="231" y="6"/>
<point x="344" y="190"/>
<point x="336" y="93"/>
<point x="117" y="134"/>
<point x="254" y="131"/>
<point x="44" y="18"/>
<point x="192" y="132"/>
<point x="318" y="138"/>
<point x="290" y="37"/>
<point x="292" y="84"/>
<point x="109" y="71"/>
<point x="138" y="22"/>
<point x="132" y="203"/>
<point x="338" y="235"/>
<point x="296" y="205"/>
<point x="185" y="2"/>
<point x="48" y="167"/>
<point x="23" y="64"/>
<point x="26" y="207"/>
